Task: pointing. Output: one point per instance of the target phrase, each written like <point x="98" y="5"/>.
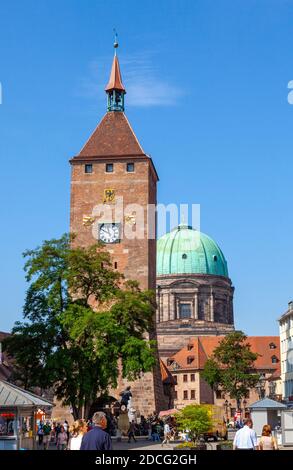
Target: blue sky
<point x="207" y="97"/>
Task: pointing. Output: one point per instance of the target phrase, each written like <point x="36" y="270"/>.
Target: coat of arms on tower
<point x="109" y="195"/>
<point x="87" y="220"/>
<point x="130" y="219"/>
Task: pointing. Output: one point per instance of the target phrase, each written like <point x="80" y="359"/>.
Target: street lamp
<point x="227" y="405"/>
<point x="244" y="407"/>
<point x="260" y="386"/>
<point x="272" y="389"/>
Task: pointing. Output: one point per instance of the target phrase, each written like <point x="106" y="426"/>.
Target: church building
<point x="194" y="291"/>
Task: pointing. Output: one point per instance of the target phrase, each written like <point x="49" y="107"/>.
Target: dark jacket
<point x="96" y="439"/>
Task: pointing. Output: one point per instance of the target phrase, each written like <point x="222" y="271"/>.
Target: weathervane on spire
<point x="115" y="40"/>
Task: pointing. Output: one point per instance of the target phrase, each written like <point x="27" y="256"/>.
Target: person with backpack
<point x="40" y="434"/>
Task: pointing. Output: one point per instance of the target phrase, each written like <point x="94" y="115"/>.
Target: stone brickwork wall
<point x="114" y="142"/>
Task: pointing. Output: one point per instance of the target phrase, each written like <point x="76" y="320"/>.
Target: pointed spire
<point x="115" y="81"/>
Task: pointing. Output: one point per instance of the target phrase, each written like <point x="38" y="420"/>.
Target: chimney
<point x="290" y="306"/>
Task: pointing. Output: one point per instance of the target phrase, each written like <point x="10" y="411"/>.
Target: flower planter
<point x="191" y="446"/>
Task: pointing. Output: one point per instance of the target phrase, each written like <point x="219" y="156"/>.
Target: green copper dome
<point x="188" y="251"/>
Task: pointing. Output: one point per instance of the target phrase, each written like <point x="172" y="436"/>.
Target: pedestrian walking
<point x="245" y="438"/>
<point x="131" y="432"/>
<point x="267" y="441"/>
<point x="167" y="434"/>
<point x="97" y="438"/>
<point x="62" y="439"/>
<point x="40" y="434"/>
<point x="47" y="435"/>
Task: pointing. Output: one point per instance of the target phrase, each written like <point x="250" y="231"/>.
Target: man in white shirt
<point x="245" y="438"/>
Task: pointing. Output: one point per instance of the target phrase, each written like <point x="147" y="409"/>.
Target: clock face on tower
<point x="109" y="233"/>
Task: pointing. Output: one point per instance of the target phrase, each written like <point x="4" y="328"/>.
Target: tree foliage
<point x="80" y="322"/>
<point x="231" y="367"/>
<point x="195" y="419"/>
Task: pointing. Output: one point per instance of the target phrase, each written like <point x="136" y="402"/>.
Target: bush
<point x="195" y="419"/>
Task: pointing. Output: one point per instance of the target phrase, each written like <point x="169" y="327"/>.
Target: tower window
<point x="130" y="167"/>
<point x="115" y="265"/>
<point x="88" y="168"/>
<point x="215" y="258"/>
<point x="184" y="256"/>
<point x="185" y="310"/>
<point x="109" y="167"/>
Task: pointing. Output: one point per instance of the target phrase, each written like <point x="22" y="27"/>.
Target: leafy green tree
<point x="81" y="323"/>
<point x="196" y="419"/>
<point x="231" y="367"/>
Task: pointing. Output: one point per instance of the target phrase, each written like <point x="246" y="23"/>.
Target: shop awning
<point x="12" y="396"/>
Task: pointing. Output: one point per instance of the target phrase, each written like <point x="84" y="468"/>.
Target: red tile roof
<point x="112" y="137"/>
<point x="203" y="347"/>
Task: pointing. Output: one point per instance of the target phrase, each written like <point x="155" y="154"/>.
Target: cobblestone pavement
<point x="144" y="444"/>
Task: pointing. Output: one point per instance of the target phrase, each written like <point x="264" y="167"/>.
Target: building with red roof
<point x="188" y="362"/>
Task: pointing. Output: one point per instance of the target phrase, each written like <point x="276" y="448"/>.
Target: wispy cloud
<point x="142" y="80"/>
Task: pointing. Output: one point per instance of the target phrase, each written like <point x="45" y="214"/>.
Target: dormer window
<point x="275" y="360"/>
<point x="175" y="366"/>
<point x="189" y="347"/>
<point x="272" y="346"/>
<point x="170" y="362"/>
<point x="190" y="359"/>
